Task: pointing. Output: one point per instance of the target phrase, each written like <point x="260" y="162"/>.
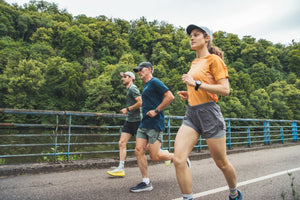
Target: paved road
<point x="262" y="175"/>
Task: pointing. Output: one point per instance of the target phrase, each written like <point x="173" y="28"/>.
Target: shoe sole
<point x="167" y="162"/>
<point x="143" y="190"/>
<point x="115" y="174"/>
<point x="188" y="162"/>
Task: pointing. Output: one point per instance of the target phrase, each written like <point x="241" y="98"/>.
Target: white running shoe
<point x="167" y="162"/>
<point x="188" y="162"/>
<point x="117" y="172"/>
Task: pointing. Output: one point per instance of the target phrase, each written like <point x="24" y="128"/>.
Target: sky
<point x="277" y="21"/>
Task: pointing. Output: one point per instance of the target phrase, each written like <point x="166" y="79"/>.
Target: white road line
<point x="220" y="189"/>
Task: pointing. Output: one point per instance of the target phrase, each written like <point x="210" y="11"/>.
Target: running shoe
<point x="239" y="197"/>
<point x="188" y="162"/>
<point x="141" y="187"/>
<point x="117" y="172"/>
<point x="167" y="162"/>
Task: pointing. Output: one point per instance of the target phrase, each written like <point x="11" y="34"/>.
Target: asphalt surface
<point x="262" y="174"/>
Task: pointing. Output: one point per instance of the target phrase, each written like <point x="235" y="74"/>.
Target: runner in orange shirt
<point x="207" y="78"/>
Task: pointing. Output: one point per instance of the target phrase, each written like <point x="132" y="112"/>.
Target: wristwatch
<point x="198" y="83"/>
<point x="156" y="110"/>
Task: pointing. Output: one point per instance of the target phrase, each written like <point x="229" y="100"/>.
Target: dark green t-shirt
<point x="132" y="93"/>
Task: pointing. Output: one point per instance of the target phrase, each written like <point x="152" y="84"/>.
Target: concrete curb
<point x="37" y="168"/>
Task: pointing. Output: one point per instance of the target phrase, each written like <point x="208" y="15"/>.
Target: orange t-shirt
<point x="208" y="69"/>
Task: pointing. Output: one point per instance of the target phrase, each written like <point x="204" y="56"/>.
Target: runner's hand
<point x="183" y="95"/>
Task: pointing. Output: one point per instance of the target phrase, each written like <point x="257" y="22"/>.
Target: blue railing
<point x="94" y="138"/>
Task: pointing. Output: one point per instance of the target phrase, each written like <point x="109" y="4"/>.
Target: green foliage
<point x="59" y="158"/>
<point x="260" y="100"/>
<point x="294" y="193"/>
<point x="23" y="84"/>
<point x="52" y="60"/>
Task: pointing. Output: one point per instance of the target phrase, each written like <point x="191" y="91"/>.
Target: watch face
<point x="198" y="82"/>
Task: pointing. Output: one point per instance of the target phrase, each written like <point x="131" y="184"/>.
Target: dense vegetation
<point x="51" y="60"/>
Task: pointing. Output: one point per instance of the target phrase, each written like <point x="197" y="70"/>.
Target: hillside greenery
<point x="51" y="60"/>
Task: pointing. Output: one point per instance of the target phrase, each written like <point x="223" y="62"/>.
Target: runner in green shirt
<point x="133" y="118"/>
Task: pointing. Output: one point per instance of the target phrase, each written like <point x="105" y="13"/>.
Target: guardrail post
<point x="266" y="132"/>
<point x="281" y="135"/>
<point x="69" y="138"/>
<point x="294" y="132"/>
<point x="228" y="134"/>
<point x="55" y="144"/>
<point x="199" y="141"/>
<point x="249" y="137"/>
<point x="169" y="133"/>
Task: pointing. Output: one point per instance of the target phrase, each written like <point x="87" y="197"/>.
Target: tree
<point x="233" y="108"/>
<point x="294" y="61"/>
<point x="73" y="53"/>
<point x="41" y="52"/>
<point x="260" y="100"/>
<point x="261" y="75"/>
<point x="99" y="97"/>
<point x="8" y="18"/>
<point x="23" y="83"/>
<point x="64" y="87"/>
<point x="141" y="37"/>
<point x="75" y="43"/>
<point x="42" y="35"/>
<point x="229" y="43"/>
<point x="12" y="52"/>
<point x="279" y="105"/>
<point x="25" y="24"/>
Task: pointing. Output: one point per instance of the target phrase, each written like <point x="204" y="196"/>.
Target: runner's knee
<point x="179" y="161"/>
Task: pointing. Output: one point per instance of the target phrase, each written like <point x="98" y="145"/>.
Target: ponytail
<point x="216" y="50"/>
<point x="213" y="49"/>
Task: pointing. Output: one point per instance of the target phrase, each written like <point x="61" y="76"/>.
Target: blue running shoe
<point x="141" y="187"/>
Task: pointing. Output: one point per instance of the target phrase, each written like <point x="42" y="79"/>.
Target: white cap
<point x="130" y="74"/>
<point x="203" y="28"/>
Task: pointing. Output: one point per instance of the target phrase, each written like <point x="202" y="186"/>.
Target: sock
<point x="121" y="164"/>
<point x="233" y="192"/>
<point x="188" y="196"/>
<point x="146" y="180"/>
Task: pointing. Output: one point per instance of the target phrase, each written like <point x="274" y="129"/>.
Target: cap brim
<point x="136" y="69"/>
<point x="191" y="27"/>
<point x="122" y="73"/>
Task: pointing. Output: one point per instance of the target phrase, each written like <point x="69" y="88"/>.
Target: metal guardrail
<point x="20" y="140"/>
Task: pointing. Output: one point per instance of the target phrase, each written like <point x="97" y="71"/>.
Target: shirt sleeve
<point x="219" y="69"/>
<point x="135" y="92"/>
<point x="161" y="87"/>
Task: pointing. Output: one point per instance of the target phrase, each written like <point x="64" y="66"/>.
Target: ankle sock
<point x="121" y="164"/>
<point x="233" y="192"/>
<point x="146" y="180"/>
<point x="188" y="196"/>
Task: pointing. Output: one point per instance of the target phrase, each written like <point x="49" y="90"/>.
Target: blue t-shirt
<point x="152" y="96"/>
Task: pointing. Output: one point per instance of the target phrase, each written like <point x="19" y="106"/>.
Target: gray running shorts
<point x="149" y="134"/>
<point x="206" y="119"/>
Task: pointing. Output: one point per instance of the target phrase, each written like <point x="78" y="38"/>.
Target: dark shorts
<point x="206" y="119"/>
<point x="131" y="127"/>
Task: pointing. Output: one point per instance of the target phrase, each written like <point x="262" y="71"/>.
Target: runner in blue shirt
<point x="155" y="97"/>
